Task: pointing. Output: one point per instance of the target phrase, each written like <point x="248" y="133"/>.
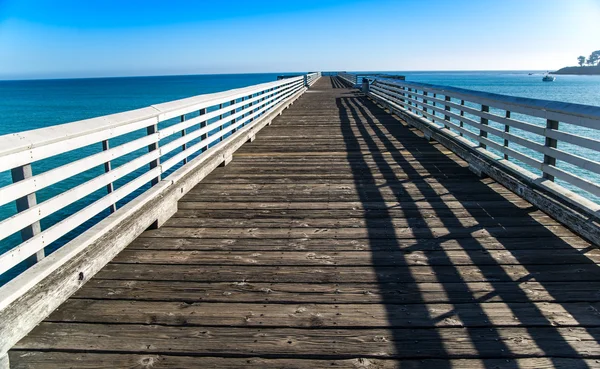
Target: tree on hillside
<point x="594" y="58"/>
<point x="581" y="60"/>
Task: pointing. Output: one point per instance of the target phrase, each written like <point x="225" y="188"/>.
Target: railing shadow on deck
<point x="336" y="83"/>
<point x="359" y="117"/>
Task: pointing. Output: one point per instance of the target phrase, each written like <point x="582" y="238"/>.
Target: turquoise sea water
<point x="28" y="105"/>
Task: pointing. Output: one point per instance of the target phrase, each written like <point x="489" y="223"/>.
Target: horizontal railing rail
<point x="355" y="79"/>
<point x="550" y="141"/>
<point x="192" y="126"/>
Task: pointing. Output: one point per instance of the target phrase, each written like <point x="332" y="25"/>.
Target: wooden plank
<point x="374" y="164"/>
<point x="340" y="293"/>
<point x="394" y="214"/>
<point x="60" y="360"/>
<point x="366" y="184"/>
<point x="345" y="172"/>
<point x="333" y="274"/>
<point x="351" y="187"/>
<point x="348" y="197"/>
<point x="328" y="315"/>
<point x="214" y="179"/>
<point x="306" y="244"/>
<point x="286" y="221"/>
<point x="348" y="157"/>
<point x="368" y="233"/>
<point x="571" y="342"/>
<point x="382" y="258"/>
<point x="357" y="205"/>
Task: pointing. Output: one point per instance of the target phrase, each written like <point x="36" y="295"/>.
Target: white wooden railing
<point x="311" y="78"/>
<point x="164" y="136"/>
<point x="349" y="78"/>
<point x="544" y="141"/>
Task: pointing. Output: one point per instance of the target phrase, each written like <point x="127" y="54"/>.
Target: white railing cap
<point x="26" y="140"/>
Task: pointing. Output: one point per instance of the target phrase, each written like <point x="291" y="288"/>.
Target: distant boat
<point x="531" y="74"/>
<point x="548" y="78"/>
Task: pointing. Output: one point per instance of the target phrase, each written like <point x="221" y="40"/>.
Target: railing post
<point x="202" y="125"/>
<point x="26" y="202"/>
<point x="306" y="81"/>
<point x="221" y="123"/>
<point x="251" y="110"/>
<point x="256" y="104"/>
<point x="183" y="133"/>
<point x="424" y="103"/>
<point x="233" y="112"/>
<point x="433" y="112"/>
<point x="506" y="129"/>
<point x="483" y="121"/>
<point x="247" y="108"/>
<point x="447" y="108"/>
<point x="553" y="143"/>
<point x="266" y="95"/>
<point x="107" y="168"/>
<point x="409" y="96"/>
<point x="231" y="103"/>
<point x="462" y="114"/>
<point x="150" y="130"/>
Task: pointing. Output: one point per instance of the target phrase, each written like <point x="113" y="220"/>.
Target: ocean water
<point x="26" y="105"/>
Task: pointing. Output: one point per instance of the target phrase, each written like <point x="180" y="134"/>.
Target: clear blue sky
<point x="85" y="38"/>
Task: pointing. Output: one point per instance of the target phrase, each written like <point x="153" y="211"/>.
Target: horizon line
<point x="254" y="73"/>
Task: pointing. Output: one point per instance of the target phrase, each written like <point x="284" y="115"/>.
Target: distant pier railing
<point x="355" y="79"/>
<point x="151" y="155"/>
<point x="349" y="78"/>
<point x="553" y="145"/>
<point x="309" y="78"/>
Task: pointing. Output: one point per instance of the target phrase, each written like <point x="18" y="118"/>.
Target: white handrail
<point x="489" y="122"/>
<point x="202" y="121"/>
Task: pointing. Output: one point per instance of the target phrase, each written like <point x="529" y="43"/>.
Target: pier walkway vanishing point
<point x="339" y="237"/>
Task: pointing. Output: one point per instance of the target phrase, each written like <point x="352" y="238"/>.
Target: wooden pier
<point x="339" y="237"/>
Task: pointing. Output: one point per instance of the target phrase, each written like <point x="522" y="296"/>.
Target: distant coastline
<point x="582" y="71"/>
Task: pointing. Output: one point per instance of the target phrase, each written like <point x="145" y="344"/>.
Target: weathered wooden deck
<point x="339" y="237"/>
